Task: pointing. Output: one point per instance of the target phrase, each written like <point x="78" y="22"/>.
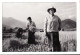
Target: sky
<point x="38" y="11"/>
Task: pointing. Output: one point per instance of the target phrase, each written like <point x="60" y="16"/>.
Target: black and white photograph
<point x="39" y="27"/>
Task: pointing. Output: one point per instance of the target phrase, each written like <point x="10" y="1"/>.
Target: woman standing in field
<point x="52" y="28"/>
<point x="31" y="27"/>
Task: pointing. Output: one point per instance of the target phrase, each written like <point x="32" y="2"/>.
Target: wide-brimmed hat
<point x="51" y="9"/>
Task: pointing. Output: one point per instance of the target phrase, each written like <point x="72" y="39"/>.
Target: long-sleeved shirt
<point x="52" y="23"/>
<point x="31" y="26"/>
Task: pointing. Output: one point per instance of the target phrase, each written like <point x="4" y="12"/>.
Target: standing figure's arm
<point x="59" y="20"/>
<point x="34" y="25"/>
<point x="33" y="29"/>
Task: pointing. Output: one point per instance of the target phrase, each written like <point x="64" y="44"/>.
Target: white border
<point x="78" y="27"/>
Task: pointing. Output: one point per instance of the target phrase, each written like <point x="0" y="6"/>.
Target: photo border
<point x="78" y="27"/>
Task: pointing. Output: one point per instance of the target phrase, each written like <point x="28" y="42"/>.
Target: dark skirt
<point x="56" y="43"/>
<point x="31" y="37"/>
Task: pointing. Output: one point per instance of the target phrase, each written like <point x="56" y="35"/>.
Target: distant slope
<point x="11" y="22"/>
<point x="68" y="24"/>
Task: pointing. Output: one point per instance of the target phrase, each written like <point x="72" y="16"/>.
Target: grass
<point x="13" y="44"/>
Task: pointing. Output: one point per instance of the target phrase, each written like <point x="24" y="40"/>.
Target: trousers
<point x="31" y="37"/>
<point x="54" y="38"/>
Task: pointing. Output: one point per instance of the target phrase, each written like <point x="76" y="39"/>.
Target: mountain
<point x="68" y="24"/>
<point x="12" y="23"/>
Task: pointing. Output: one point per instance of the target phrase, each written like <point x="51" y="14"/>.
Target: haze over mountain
<point x="12" y="23"/>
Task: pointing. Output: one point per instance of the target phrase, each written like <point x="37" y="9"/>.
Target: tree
<point x="4" y="29"/>
<point x="10" y="30"/>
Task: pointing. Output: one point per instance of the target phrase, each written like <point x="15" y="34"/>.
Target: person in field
<point x="31" y="27"/>
<point x="19" y="33"/>
<point x="52" y="27"/>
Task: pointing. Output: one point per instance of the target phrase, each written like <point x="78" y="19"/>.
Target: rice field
<point x="13" y="44"/>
